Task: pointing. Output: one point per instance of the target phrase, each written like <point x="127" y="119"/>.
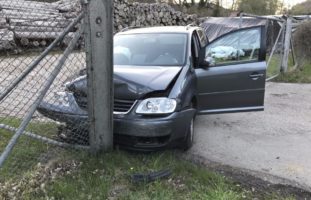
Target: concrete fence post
<point x="99" y="52"/>
<point x="287" y="44"/>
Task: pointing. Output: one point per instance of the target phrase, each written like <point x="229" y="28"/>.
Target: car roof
<point x="160" y="29"/>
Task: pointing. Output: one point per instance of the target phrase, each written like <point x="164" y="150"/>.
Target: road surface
<point x="274" y="145"/>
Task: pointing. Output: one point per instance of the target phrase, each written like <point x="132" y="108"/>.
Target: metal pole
<point x="262" y="17"/>
<point x="45" y="139"/>
<point x="41" y="56"/>
<point x="239" y="40"/>
<point x="42" y="93"/>
<point x="295" y="61"/>
<point x="99" y="40"/>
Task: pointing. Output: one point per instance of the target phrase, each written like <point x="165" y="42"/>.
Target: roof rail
<point x="190" y="25"/>
<point x="129" y="28"/>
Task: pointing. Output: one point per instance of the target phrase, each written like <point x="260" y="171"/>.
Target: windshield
<point x="161" y="49"/>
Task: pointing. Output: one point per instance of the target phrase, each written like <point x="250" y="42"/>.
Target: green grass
<point x="69" y="174"/>
<point x="300" y="75"/>
<point x="27" y="151"/>
<point x="104" y="175"/>
<point x="274" y="66"/>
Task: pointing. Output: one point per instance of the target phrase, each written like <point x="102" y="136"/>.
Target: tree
<point x="233" y="5"/>
<point x="302" y="43"/>
<point x="303" y="8"/>
<point x="259" y="7"/>
<point x="216" y="11"/>
<point x="203" y="3"/>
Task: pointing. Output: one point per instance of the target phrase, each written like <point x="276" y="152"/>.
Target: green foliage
<point x="303" y="8"/>
<point x="302" y="43"/>
<point x="262" y="7"/>
<point x="203" y="3"/>
<point x="301" y="75"/>
<point x="216" y="12"/>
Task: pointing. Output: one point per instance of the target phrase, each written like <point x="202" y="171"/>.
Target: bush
<point x="302" y="43"/>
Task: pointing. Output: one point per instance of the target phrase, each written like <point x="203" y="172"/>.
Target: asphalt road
<point x="274" y="145"/>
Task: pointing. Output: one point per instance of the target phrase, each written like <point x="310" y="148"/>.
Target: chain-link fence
<point x="43" y="86"/>
<point x="280" y="47"/>
<point x="275" y="48"/>
<point x="44" y="126"/>
<point x="43" y="90"/>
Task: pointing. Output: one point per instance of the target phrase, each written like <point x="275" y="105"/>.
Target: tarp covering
<point x="217" y="26"/>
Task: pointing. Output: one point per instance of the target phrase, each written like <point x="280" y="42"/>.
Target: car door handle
<point x="256" y="75"/>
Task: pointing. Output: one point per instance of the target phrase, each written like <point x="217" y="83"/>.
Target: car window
<point x="243" y="45"/>
<point x="159" y="49"/>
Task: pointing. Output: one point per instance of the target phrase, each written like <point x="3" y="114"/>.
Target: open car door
<point x="232" y="74"/>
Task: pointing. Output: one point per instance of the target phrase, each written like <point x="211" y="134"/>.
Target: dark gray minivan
<point x="165" y="76"/>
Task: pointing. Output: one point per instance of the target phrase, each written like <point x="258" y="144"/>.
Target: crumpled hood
<point x="133" y="82"/>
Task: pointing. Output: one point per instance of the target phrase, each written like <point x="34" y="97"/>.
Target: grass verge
<point x="67" y="174"/>
<point x="300" y="75"/>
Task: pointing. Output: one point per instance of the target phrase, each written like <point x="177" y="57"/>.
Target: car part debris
<point x="150" y="177"/>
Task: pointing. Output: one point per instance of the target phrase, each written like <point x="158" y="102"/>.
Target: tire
<point x="188" y="143"/>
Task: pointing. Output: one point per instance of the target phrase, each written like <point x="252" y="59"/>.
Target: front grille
<point x="120" y="106"/>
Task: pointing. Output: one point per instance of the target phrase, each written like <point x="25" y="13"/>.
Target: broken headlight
<point x="157" y="106"/>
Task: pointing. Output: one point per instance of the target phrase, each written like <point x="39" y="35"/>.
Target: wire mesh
<point x="59" y="124"/>
<point x="275" y="50"/>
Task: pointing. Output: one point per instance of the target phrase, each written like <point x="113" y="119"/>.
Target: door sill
<point x="231" y="110"/>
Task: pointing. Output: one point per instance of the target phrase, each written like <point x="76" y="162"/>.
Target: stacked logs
<point x="31" y="24"/>
<point x="144" y="14"/>
<point x="28" y="24"/>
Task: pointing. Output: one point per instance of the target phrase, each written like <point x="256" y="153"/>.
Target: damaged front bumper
<point x="131" y="131"/>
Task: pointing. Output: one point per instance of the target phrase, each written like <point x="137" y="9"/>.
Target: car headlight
<point x="61" y="98"/>
<point x="157" y="106"/>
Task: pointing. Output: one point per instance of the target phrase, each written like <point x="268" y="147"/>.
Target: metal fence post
<point x="99" y="48"/>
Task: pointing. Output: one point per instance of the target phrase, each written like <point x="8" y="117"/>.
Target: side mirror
<point x="208" y="62"/>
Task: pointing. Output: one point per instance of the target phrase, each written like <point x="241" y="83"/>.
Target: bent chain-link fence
<point x="41" y="56"/>
<point x="275" y="48"/>
<point x="43" y="101"/>
<point x="280" y="50"/>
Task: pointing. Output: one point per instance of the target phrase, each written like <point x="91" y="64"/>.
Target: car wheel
<point x="190" y="136"/>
